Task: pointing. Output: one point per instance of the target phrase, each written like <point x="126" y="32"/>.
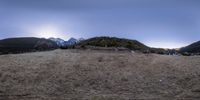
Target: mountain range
<point x="61" y="42"/>
<point x="30" y="44"/>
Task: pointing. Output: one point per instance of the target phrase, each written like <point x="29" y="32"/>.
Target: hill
<point x="192" y="48"/>
<point x="123" y="44"/>
<point x="114" y="42"/>
<point x="26" y="44"/>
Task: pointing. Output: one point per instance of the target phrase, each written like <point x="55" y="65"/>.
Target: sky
<point x="156" y="23"/>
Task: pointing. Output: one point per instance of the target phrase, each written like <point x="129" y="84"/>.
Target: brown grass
<point x="98" y="75"/>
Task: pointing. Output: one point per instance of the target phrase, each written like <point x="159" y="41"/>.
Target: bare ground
<point x="98" y="75"/>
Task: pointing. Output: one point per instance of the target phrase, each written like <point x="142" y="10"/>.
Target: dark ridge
<point x="192" y="48"/>
<point x="25" y="44"/>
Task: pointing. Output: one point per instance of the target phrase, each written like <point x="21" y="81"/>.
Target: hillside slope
<point x="114" y="42"/>
<point x="192" y="48"/>
<point x="16" y="45"/>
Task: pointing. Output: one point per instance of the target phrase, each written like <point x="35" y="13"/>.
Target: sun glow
<point x="49" y="31"/>
<point x="166" y="45"/>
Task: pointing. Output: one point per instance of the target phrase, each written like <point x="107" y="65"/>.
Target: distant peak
<point x="81" y="39"/>
<point x="72" y="38"/>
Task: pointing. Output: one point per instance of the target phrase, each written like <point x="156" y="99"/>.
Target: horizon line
<point x="99" y="36"/>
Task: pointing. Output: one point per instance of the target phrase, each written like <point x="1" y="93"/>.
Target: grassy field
<point x="98" y="75"/>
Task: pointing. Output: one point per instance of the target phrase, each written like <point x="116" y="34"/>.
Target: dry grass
<point x="98" y="75"/>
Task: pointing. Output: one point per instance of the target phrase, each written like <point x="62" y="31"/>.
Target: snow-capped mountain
<point x="81" y="39"/>
<point x="61" y="42"/>
<point x="71" y="41"/>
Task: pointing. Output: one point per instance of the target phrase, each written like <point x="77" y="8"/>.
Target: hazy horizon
<point x="156" y="23"/>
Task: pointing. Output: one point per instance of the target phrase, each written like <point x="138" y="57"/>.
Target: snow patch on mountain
<point x="71" y="41"/>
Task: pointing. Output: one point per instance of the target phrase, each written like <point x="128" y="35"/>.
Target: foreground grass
<point x="98" y="75"/>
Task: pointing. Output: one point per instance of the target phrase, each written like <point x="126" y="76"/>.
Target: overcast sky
<point x="156" y="23"/>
